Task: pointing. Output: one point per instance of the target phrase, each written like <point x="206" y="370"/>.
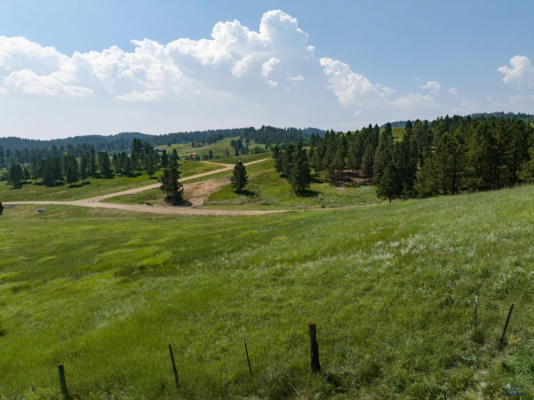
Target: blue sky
<point x="70" y="67"/>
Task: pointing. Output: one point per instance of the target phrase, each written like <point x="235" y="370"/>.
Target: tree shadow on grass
<point x="79" y="185"/>
<point x="183" y="203"/>
<point x="309" y="193"/>
<point x="247" y="193"/>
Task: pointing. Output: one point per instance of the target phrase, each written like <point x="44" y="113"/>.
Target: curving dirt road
<point x="96" y="202"/>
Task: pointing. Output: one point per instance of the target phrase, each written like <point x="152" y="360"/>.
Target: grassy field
<point x="155" y="196"/>
<point x="266" y="190"/>
<point x="94" y="187"/>
<point x="391" y="288"/>
<point x="220" y="149"/>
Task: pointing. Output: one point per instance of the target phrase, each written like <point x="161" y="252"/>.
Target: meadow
<point x="221" y="150"/>
<point x="267" y="190"/>
<point x="391" y="288"/>
<point x="93" y="186"/>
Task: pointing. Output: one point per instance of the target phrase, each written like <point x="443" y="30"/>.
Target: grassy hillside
<point x="267" y="190"/>
<point x="391" y="288"/>
<point x="93" y="187"/>
<point x="221" y="149"/>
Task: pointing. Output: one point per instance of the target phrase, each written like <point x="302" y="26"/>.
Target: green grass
<point x="221" y="149"/>
<point x="267" y="190"/>
<point x="94" y="187"/>
<point x="398" y="132"/>
<point x="246" y="158"/>
<point x="155" y="196"/>
<point x="391" y="289"/>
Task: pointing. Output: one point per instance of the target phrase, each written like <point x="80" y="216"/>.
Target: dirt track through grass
<point x="96" y="202"/>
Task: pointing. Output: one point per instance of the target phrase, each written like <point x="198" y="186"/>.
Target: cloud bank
<point x="236" y="77"/>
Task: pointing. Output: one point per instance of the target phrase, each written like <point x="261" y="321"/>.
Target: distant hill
<point x="498" y="114"/>
<point x="509" y="115"/>
<point x="122" y="141"/>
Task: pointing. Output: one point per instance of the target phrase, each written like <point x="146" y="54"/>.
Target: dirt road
<point x="96" y="202"/>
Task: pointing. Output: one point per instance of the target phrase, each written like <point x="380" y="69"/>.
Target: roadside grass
<point x="246" y="158"/>
<point x="391" y="289"/>
<point x="220" y="149"/>
<point x="93" y="186"/>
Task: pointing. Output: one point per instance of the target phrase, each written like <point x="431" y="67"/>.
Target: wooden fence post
<point x="246" y="352"/>
<point x="63" y="382"/>
<point x="501" y="342"/>
<point x="476" y="317"/>
<point x="314" y="347"/>
<point x="176" y="382"/>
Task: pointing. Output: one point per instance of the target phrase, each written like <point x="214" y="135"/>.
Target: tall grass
<point x="390" y="287"/>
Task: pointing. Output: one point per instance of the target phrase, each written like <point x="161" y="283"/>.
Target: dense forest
<point x="447" y="156"/>
<point x="66" y="168"/>
<point x="499" y="114"/>
<point x="17" y="150"/>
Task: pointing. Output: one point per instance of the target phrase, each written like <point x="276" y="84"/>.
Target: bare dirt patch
<point x="197" y="193"/>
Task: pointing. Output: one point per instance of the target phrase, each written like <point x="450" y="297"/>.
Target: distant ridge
<point x="122" y="141"/>
<point x="497" y="114"/>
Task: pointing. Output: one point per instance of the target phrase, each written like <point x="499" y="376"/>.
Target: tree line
<point x="66" y="168"/>
<point x="446" y="156"/>
<point x="22" y="151"/>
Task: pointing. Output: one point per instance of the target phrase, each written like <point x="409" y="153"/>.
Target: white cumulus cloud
<point x="520" y="73"/>
<point x="205" y="83"/>
<point x="432" y="86"/>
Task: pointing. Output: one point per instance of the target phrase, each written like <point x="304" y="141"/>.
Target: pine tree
<point x="277" y="156"/>
<point x="169" y="181"/>
<point x="70" y="167"/>
<point x="427" y="182"/>
<point x="384" y="152"/>
<point x="149" y="165"/>
<point x="287" y="159"/>
<point x="84" y="165"/>
<point x="104" y="165"/>
<point x="92" y="163"/>
<point x="115" y="161"/>
<point x="300" y="176"/>
<point x="239" y="178"/>
<point x="389" y="186"/>
<point x="15" y="176"/>
<point x="164" y="159"/>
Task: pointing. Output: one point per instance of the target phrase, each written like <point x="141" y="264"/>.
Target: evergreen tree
<point x="389" y="186"/>
<point x="300" y="176"/>
<point x="427" y="183"/>
<point x="104" y="165"/>
<point x="15" y="176"/>
<point x="277" y="156"/>
<point x="169" y="181"/>
<point x="84" y="166"/>
<point x="91" y="171"/>
<point x="368" y="163"/>
<point x="164" y="159"/>
<point x="149" y="165"/>
<point x="239" y="177"/>
<point x="336" y="165"/>
<point x="70" y="167"/>
<point x="287" y="158"/>
<point x="526" y="172"/>
<point x="384" y="152"/>
<point x="115" y="161"/>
